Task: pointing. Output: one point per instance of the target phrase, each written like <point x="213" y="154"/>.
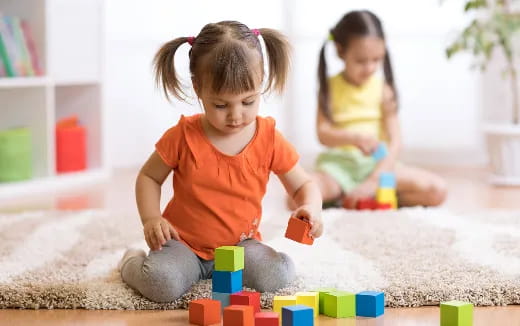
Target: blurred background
<point x="96" y="57"/>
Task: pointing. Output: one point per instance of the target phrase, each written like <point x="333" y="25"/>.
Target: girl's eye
<point x="220" y="106"/>
<point x="248" y="103"/>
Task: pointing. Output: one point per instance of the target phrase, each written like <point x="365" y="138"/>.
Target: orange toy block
<point x="237" y="315"/>
<point x="298" y="230"/>
<point x="204" y="312"/>
<point x="246" y="298"/>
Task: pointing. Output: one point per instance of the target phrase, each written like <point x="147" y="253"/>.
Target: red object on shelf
<point x="71" y="146"/>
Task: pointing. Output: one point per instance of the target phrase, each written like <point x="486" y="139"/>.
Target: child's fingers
<point x="148" y="242"/>
<point x="174" y="233"/>
<point x="159" y="235"/>
<point x="152" y="240"/>
<point x="166" y="231"/>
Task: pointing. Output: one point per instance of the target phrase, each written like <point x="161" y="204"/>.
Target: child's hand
<point x="157" y="231"/>
<point x="367" y="189"/>
<point x="367" y="144"/>
<point x="314" y="218"/>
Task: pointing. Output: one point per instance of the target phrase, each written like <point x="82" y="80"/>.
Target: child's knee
<point x="437" y="192"/>
<point x="269" y="272"/>
<point x="162" y="284"/>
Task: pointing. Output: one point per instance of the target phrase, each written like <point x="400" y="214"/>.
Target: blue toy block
<point x="227" y="282"/>
<point x="222" y="297"/>
<point x="387" y="180"/>
<point x="380" y="153"/>
<point x="370" y="304"/>
<point x="297" y="315"/>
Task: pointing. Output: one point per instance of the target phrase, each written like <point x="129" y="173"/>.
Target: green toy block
<point x="340" y="304"/>
<point x="309" y="299"/>
<point x="229" y="258"/>
<point x="456" y="313"/>
<point x="15" y="154"/>
<point x="322" y="292"/>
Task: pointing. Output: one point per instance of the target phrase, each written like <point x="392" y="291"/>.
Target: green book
<point x="4" y="55"/>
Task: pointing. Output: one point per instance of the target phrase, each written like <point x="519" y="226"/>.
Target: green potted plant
<point x="495" y="27"/>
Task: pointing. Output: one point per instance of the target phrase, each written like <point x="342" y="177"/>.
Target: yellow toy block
<point x="387" y="195"/>
<point x="280" y="301"/>
<point x="309" y="299"/>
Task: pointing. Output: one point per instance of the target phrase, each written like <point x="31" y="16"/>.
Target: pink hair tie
<point x="191" y="40"/>
<point x="255" y="31"/>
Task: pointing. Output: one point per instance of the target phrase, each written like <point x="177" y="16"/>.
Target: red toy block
<point x="267" y="319"/>
<point x="204" y="312"/>
<point x="237" y="315"/>
<point x="298" y="230"/>
<point x="384" y="206"/>
<point x="246" y="298"/>
<point x="366" y="203"/>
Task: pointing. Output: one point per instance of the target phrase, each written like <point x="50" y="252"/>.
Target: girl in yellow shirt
<point x="357" y="111"/>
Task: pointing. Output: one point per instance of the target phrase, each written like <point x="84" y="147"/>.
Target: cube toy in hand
<point x="339" y="304"/>
<point x="246" y="298"/>
<point x="370" y="304"/>
<point x="298" y="230"/>
<point x="456" y="313"/>
<point x="267" y="319"/>
<point x="227" y="282"/>
<point x="229" y="258"/>
<point x="309" y="299"/>
<point x="239" y="316"/>
<point x="280" y="301"/>
<point x="297" y="315"/>
<point x="204" y="312"/>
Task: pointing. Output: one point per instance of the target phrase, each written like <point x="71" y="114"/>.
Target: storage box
<point x="71" y="147"/>
<point x="15" y="154"/>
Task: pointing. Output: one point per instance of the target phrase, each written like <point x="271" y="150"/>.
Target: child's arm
<point x="157" y="230"/>
<point x="331" y="136"/>
<point x="307" y="196"/>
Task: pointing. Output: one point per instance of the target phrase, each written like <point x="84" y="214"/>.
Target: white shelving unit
<point x="69" y="38"/>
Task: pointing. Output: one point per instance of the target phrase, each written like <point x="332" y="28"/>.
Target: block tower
<point x="386" y="195"/>
<point x="227" y="276"/>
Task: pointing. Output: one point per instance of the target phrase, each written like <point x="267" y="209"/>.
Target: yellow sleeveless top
<point x="357" y="108"/>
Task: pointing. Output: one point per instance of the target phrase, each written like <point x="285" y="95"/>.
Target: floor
<point x="468" y="191"/>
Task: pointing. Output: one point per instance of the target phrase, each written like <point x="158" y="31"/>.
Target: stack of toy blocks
<point x="204" y="312"/>
<point x="227" y="276"/>
<point x="298" y="230"/>
<point x="386" y="195"/>
<point x="456" y="313"/>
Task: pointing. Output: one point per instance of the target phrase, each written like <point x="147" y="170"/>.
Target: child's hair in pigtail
<point x="165" y="73"/>
<point x="354" y="24"/>
<point x="228" y="57"/>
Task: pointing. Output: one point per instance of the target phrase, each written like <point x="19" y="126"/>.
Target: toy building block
<point x="222" y="297"/>
<point x="381" y="152"/>
<point x="384" y="206"/>
<point x="309" y="299"/>
<point x="297" y="315"/>
<point x="229" y="258"/>
<point x="456" y="313"/>
<point x="387" y="196"/>
<point x="204" y="312"/>
<point x="340" y="304"/>
<point x="246" y="298"/>
<point x="239" y="316"/>
<point x="282" y="301"/>
<point x="366" y="203"/>
<point x="321" y="294"/>
<point x="227" y="282"/>
<point x="267" y="319"/>
<point x="370" y="304"/>
<point x="387" y="180"/>
<point x="298" y="230"/>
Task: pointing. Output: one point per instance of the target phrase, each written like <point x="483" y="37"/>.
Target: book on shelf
<point x="18" y="55"/>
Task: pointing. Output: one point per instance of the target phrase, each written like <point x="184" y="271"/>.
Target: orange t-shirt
<point x="217" y="198"/>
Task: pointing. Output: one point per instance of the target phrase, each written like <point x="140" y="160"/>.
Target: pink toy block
<point x="246" y="298"/>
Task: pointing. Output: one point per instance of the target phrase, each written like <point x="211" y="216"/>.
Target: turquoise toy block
<point x="222" y="297"/>
<point x="387" y="180"/>
<point x="297" y="315"/>
<point x="380" y="153"/>
<point x="370" y="304"/>
<point x="229" y="258"/>
<point x="227" y="282"/>
<point x="456" y="313"/>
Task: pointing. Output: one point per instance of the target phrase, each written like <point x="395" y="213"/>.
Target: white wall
<point x="440" y="100"/>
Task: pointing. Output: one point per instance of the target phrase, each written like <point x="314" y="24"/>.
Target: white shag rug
<point x="56" y="259"/>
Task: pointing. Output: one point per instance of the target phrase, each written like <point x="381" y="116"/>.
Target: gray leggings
<point x="165" y="275"/>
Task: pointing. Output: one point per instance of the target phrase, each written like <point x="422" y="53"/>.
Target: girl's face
<point x="362" y="58"/>
<point x="230" y="113"/>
